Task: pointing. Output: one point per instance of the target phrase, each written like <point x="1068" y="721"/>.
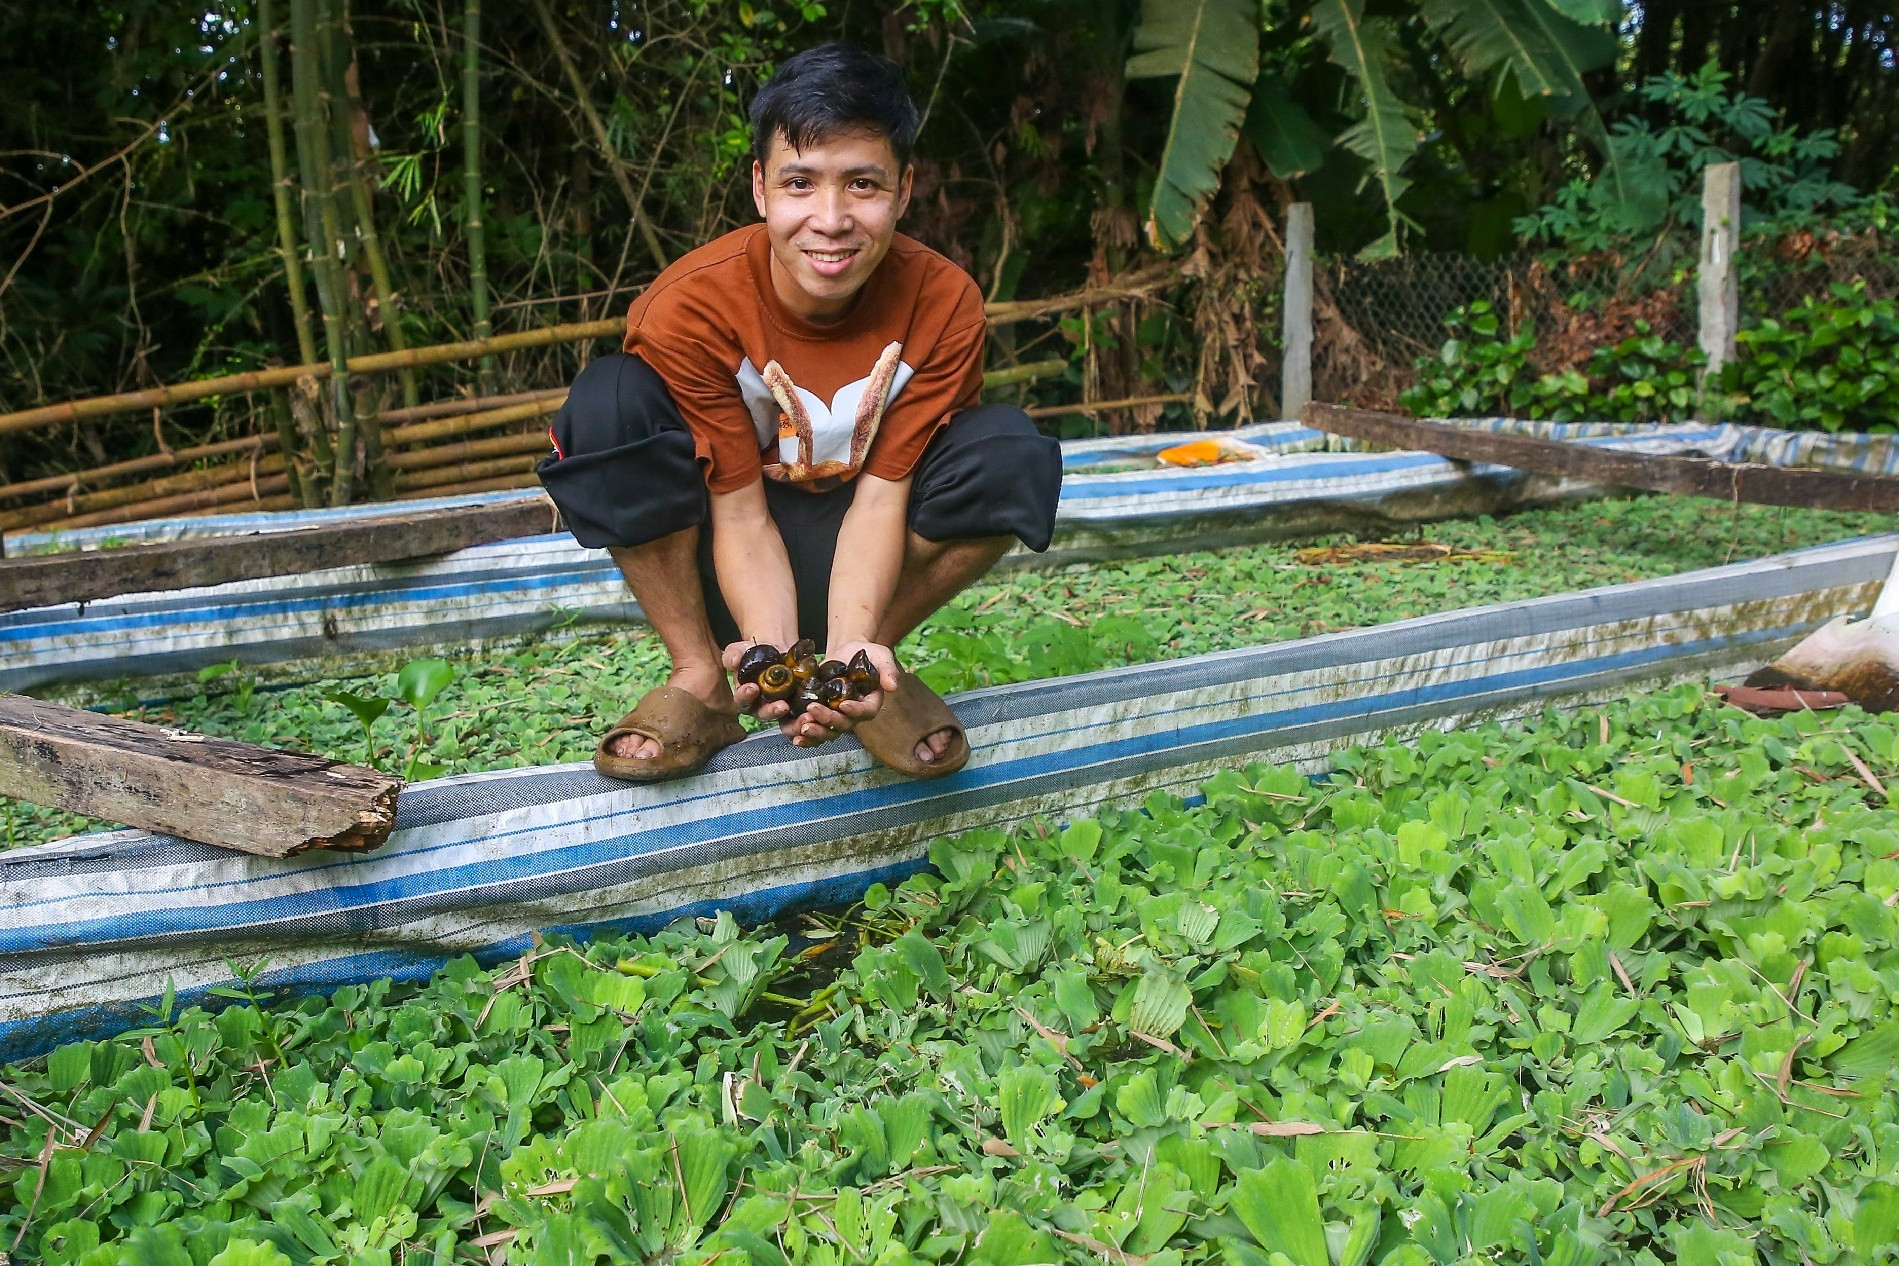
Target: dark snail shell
<point x="860" y="673"/>
<point x="834" y="690"/>
<point x="755" y="660"/>
<point x="775" y="682"/>
<point x="802" y="659"/>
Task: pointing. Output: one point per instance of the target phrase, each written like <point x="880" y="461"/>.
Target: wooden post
<point x="234" y="795"/>
<point x="1295" y="374"/>
<point x="1717" y="277"/>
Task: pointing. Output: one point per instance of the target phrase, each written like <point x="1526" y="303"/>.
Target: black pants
<point x="625" y="473"/>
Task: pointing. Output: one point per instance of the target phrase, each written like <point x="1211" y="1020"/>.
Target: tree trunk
<point x="313" y="153"/>
<point x="471" y="183"/>
<point x="280" y="186"/>
<point x="584" y="100"/>
<point x="361" y="193"/>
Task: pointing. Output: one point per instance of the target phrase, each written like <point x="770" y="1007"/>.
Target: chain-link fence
<point x="1376" y="320"/>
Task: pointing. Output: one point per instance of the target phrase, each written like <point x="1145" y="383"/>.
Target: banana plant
<point x="1212" y="47"/>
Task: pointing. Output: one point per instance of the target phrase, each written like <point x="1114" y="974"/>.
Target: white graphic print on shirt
<point x="816" y="440"/>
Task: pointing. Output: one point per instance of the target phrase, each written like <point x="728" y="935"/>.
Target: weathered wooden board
<point x="53" y="579"/>
<point x="1689" y="476"/>
<point x="235" y="795"/>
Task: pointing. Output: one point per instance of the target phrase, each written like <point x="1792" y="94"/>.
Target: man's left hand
<point x="818" y="725"/>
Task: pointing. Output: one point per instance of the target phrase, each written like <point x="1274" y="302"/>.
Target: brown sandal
<point x="687" y="731"/>
<point x="909" y="714"/>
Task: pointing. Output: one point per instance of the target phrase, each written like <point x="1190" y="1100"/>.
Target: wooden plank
<point x="1688" y="476"/>
<point x="54" y="579"/>
<point x="235" y="795"/>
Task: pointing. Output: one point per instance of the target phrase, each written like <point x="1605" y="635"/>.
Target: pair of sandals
<point x="689" y="733"/>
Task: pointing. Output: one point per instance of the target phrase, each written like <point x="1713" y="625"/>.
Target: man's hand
<point x="817" y="724"/>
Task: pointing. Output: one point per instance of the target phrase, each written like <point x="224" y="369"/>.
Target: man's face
<point x="831" y="210"/>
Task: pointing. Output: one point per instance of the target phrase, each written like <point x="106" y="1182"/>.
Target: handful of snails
<point x="796" y="675"/>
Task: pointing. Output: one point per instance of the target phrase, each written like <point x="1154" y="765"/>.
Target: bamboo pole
<point x="280" y="185"/>
<point x="442" y="428"/>
<point x="151" y="490"/>
<point x="467" y="404"/>
<point x="253" y="380"/>
<point x="501" y="484"/>
<point x="471" y="185"/>
<point x="584" y="100"/>
<point x="471" y="349"/>
<point x="265" y="490"/>
<point x="464" y="472"/>
<point x="313" y="152"/>
<point x="286" y="429"/>
<point x="472" y="450"/>
<point x="135" y="466"/>
<point x="356" y="178"/>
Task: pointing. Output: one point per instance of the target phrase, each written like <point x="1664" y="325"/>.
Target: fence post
<point x="1295" y="374"/>
<point x="1717" y="278"/>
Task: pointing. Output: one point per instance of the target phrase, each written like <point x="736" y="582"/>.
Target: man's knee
<point x="988" y="474"/>
<point x="624" y="470"/>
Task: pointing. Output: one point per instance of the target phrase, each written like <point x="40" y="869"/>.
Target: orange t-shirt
<point x="765" y="391"/>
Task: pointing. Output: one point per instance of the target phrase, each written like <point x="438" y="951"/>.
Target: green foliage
<point x="1482" y="371"/>
<point x="549" y="701"/>
<point x="1608" y="985"/>
<point x="1828" y="364"/>
<point x="1211" y="49"/>
<point x="1783" y="170"/>
<point x="1384" y="136"/>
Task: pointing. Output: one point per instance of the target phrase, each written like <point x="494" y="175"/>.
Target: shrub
<point x="1828" y="364"/>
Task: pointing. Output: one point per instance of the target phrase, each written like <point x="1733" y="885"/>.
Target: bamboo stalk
<point x="286" y="427"/>
<point x="203" y="499"/>
<point x="425" y="432"/>
<point x="471" y="450"/>
<point x="504" y="482"/>
<point x="253" y="380"/>
<point x="280" y="185"/>
<point x="615" y="165"/>
<point x="356" y="178"/>
<point x="133" y="466"/>
<point x="151" y="489"/>
<point x="464" y="472"/>
<point x="465" y="405"/>
<point x="313" y="152"/>
<point x="471" y="184"/>
<point x="1023" y="373"/>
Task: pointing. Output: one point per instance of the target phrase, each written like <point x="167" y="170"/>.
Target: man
<point x="792" y="444"/>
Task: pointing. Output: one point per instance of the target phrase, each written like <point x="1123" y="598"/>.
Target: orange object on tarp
<point x="1206" y="453"/>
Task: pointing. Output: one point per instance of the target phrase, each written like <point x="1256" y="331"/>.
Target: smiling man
<point x="792" y="443"/>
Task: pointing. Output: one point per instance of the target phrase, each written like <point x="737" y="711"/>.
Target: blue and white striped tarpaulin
<point x="1115" y="502"/>
<point x="95" y="925"/>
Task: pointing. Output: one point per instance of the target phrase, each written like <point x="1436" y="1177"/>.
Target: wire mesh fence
<point x="1376" y="320"/>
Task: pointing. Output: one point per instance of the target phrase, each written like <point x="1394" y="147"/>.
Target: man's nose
<point x="832" y="215"/>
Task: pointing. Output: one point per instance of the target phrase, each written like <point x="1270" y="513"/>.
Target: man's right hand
<point x="747" y="695"/>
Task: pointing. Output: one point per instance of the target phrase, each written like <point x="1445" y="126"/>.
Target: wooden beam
<point x="53" y="579"/>
<point x="235" y="795"/>
<point x="1688" y="476"/>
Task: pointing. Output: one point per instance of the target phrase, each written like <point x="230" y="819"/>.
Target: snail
<point x="797" y="675"/>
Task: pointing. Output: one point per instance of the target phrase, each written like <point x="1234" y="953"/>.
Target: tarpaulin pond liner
<point x="93" y="926"/>
<point x="1115" y="502"/>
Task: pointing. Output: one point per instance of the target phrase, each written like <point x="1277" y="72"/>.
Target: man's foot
<point x="707" y="685"/>
<point x="935" y="746"/>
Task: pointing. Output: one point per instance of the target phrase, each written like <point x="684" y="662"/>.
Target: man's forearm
<point x="753" y="569"/>
<point x="869" y="558"/>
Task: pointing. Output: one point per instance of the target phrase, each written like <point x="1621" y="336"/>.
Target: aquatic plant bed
<point x="547" y="703"/>
<point x="1616" y="984"/>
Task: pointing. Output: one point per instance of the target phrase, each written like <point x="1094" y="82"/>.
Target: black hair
<point x="833" y="88"/>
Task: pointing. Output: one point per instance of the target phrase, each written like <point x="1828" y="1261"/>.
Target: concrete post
<point x="1717" y="277"/>
<point x="1295" y="375"/>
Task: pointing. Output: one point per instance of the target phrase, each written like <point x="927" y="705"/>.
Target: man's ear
<point x="905" y="185"/>
<point x="758" y="187"/>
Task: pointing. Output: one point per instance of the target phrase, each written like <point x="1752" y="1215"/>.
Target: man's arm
<point x="754" y="574"/>
<point x="870" y="549"/>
